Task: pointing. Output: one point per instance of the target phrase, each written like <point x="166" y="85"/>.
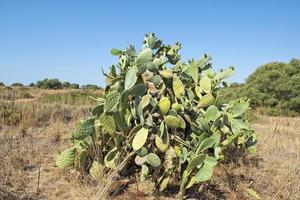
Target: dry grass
<point x="29" y="146"/>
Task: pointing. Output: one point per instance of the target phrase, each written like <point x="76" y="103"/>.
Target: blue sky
<point x="70" y="40"/>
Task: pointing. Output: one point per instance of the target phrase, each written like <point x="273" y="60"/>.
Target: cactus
<point x="163" y="115"/>
<point x="84" y="129"/>
<point x="66" y="158"/>
<point x="140" y="139"/>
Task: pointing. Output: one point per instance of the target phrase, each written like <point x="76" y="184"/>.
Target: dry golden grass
<point x="29" y="147"/>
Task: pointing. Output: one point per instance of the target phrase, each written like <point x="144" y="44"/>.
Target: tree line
<point x="54" y="84"/>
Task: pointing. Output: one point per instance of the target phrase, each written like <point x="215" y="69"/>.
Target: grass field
<point x="35" y="124"/>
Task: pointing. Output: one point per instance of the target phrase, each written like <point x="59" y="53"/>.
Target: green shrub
<point x="9" y="115"/>
<point x="160" y="116"/>
<point x="17" y="85"/>
<point x="49" y="84"/>
<point x="90" y="86"/>
<point x="31" y="85"/>
<point x="74" y="86"/>
<point x="274" y="87"/>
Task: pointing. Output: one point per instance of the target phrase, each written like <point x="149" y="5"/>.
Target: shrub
<point x="164" y="121"/>
<point x="31" y="85"/>
<point x="273" y="86"/>
<point x="66" y="84"/>
<point x="17" y="85"/>
<point x="90" y="86"/>
<point x="74" y="86"/>
<point x="49" y="84"/>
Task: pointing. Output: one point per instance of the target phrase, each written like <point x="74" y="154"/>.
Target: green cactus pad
<point x="84" y="129"/>
<point x="166" y="73"/>
<point x="206" y="101"/>
<point x="205" y="84"/>
<point x="143" y="60"/>
<point x="162" y="143"/>
<point x="112" y="101"/>
<point x="131" y="78"/>
<point x="204" y="173"/>
<point x="164" y="105"/>
<point x="66" y="158"/>
<point x="111" y="159"/>
<point x="178" y="87"/>
<point x="140" y="139"/>
<point x="195" y="162"/>
<point x="96" y="170"/>
<point x="153" y="160"/>
<point x="107" y="123"/>
<point x="171" y="121"/>
<point x="144" y="173"/>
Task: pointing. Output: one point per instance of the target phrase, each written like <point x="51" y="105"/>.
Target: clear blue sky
<point x="69" y="40"/>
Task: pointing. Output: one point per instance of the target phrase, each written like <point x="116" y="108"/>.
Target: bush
<point x="163" y="121"/>
<point x="49" y="84"/>
<point x="9" y="115"/>
<point x="90" y="86"/>
<point x="274" y="86"/>
<point x="66" y="84"/>
<point x="74" y="86"/>
<point x="17" y="85"/>
<point x="31" y="85"/>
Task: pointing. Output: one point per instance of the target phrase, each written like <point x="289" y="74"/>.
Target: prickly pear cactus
<point x="165" y="114"/>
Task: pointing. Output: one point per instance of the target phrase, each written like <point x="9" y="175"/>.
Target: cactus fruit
<point x="164" y="114"/>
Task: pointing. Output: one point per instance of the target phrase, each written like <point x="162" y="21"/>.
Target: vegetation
<point x="274" y="86"/>
<point x="17" y="84"/>
<point x="90" y="86"/>
<point x="49" y="84"/>
<point x="165" y="121"/>
<point x="31" y="85"/>
<point x="77" y="97"/>
<point x="24" y="122"/>
<point x="2" y="84"/>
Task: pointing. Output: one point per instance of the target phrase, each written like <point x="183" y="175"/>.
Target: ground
<point x="36" y="124"/>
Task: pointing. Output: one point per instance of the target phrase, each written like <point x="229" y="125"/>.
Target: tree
<point x="74" y="86"/>
<point x="90" y="86"/>
<point x="49" y="84"/>
<point x="17" y="84"/>
<point x="274" y="85"/>
<point x="31" y="85"/>
<point x="2" y="84"/>
<point x="66" y="84"/>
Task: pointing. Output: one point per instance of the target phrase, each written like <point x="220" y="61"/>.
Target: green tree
<point x="49" y="84"/>
<point x="74" y="86"/>
<point x="17" y="84"/>
<point x="66" y="84"/>
<point x="274" y="85"/>
<point x="90" y="86"/>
